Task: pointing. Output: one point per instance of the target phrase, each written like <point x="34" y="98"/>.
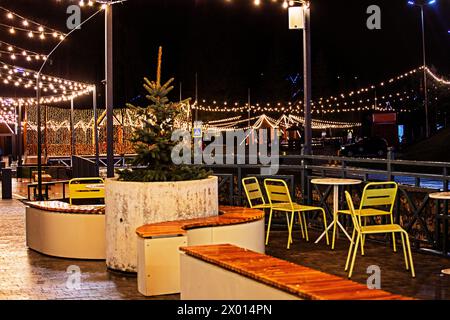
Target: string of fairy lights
<point x="16" y="23"/>
<point x="351" y="101"/>
<point x="54" y="89"/>
<point x="16" y="53"/>
<point x="284" y="122"/>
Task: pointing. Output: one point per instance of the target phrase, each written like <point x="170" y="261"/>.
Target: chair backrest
<point x="253" y="191"/>
<point x="78" y="189"/>
<point x="277" y="191"/>
<point x="379" y="194"/>
<point x="355" y="218"/>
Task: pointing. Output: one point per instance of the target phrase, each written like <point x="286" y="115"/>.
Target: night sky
<point x="235" y="45"/>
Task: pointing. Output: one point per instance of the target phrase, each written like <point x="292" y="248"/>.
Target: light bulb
<point x="25" y="23"/>
<point x="12" y="31"/>
<point x="10" y="15"/>
<point x="30" y="34"/>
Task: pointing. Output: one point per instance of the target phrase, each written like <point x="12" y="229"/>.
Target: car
<point x="367" y="147"/>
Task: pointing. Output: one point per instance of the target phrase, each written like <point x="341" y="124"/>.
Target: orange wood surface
<point x="306" y="283"/>
<point x="63" y="207"/>
<point x="230" y="215"/>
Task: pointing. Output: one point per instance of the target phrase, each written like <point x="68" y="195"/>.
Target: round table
<point x="335" y="182"/>
<point x="441" y="196"/>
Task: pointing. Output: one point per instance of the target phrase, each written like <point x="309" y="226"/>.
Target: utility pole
<point x="307" y="78"/>
<point x="109" y="90"/>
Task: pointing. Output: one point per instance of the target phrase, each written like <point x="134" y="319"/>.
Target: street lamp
<point x="421" y="4"/>
<point x="306" y="70"/>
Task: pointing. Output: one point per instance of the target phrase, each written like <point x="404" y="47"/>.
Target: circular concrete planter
<point x="130" y="205"/>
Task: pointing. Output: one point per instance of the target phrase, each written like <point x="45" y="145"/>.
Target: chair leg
<point x="404" y="251"/>
<point x="325" y="226"/>
<point x="363" y="238"/>
<point x="350" y="249"/>
<point x="306" y="226"/>
<point x="290" y="230"/>
<point x="288" y="223"/>
<point x="354" y="255"/>
<point x="300" y="222"/>
<point x="268" y="226"/>
<point x="411" y="263"/>
<point x="393" y="236"/>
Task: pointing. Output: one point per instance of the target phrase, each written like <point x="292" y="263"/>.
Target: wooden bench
<point x="159" y="243"/>
<point x="227" y="272"/>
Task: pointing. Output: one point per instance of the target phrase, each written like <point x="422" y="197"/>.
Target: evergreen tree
<point x="152" y="142"/>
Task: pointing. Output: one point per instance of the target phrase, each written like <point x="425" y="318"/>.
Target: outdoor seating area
<point x="229" y="156"/>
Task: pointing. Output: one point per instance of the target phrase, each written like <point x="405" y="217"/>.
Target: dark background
<point x="235" y="45"/>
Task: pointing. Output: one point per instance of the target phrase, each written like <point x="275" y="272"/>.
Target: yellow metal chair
<point x="78" y="189"/>
<point x="254" y="194"/>
<point x="280" y="200"/>
<point x="359" y="231"/>
<point x="376" y="198"/>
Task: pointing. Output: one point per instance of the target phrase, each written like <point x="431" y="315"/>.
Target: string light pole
<point x="38" y="103"/>
<point x="305" y="6"/>
<point x="421" y="4"/>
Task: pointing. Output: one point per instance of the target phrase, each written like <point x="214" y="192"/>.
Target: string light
<point x="12" y="50"/>
<point x="30" y="27"/>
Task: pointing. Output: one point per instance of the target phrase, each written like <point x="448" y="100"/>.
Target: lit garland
<point x="10" y="101"/>
<point x="27" y="75"/>
<point x="31" y="28"/>
<point x="15" y="52"/>
<point x="283" y="122"/>
<point x="331" y="104"/>
<point x="8" y="115"/>
<point x="436" y="78"/>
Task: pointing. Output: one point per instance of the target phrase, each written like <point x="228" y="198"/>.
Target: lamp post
<point x="306" y="71"/>
<point x="421" y="4"/>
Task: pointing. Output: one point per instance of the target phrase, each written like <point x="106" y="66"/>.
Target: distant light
<point x="257" y="2"/>
<point x="411" y="3"/>
<point x="431" y="1"/>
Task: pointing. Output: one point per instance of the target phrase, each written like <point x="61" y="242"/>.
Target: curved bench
<point x="58" y="229"/>
<point x="227" y="272"/>
<point x="159" y="243"/>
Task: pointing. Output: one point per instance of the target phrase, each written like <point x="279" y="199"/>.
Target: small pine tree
<point x="152" y="142"/>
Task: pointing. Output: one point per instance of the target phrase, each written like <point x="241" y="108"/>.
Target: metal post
<point x="72" y="131"/>
<point x="94" y="105"/>
<point x="109" y="90"/>
<point x="307" y="79"/>
<point x="45" y="131"/>
<point x="39" y="138"/>
<point x="19" y="136"/>
<point x="425" y="89"/>
<point x="249" y="106"/>
<point x="196" y="96"/>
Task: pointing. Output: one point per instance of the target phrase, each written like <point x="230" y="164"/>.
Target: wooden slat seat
<point x="229" y="216"/>
<point x="297" y="280"/>
<point x="63" y="207"/>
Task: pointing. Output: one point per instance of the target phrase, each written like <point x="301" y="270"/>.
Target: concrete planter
<point x="132" y="204"/>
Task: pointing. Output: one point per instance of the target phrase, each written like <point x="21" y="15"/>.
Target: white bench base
<point x="159" y="262"/>
<point x="204" y="281"/>
<point x="66" y="235"/>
